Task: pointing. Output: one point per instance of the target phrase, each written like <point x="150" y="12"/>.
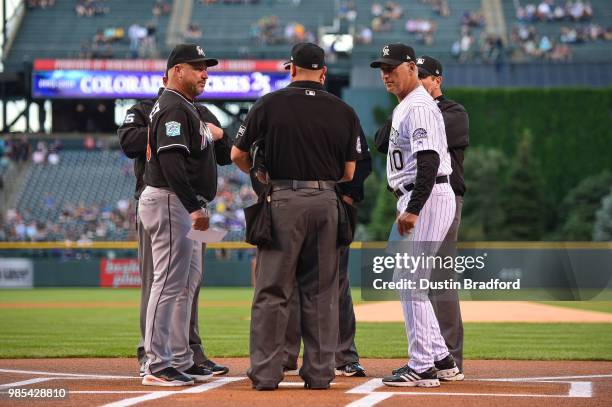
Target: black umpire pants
<point x="346" y="352"/>
<point x="305" y="227"/>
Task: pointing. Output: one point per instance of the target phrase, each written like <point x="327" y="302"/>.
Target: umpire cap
<point x="189" y="54"/>
<point x="428" y="66"/>
<point x="394" y="54"/>
<point x="307" y="55"/>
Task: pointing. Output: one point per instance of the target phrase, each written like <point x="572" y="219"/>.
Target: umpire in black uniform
<point x="456" y="122"/>
<point x="347" y="358"/>
<point x="133" y="141"/>
<point x="311" y="141"/>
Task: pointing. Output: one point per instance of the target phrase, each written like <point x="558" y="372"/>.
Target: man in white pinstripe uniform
<point x="418" y="166"/>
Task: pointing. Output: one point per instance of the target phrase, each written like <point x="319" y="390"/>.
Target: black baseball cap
<point x="189" y="54"/>
<point x="429" y="66"/>
<point x="394" y="55"/>
<point x="307" y="55"/>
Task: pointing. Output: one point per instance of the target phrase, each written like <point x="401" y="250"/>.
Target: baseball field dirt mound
<point x="489" y="311"/>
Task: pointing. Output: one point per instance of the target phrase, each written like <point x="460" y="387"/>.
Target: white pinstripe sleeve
<point x="423" y="130"/>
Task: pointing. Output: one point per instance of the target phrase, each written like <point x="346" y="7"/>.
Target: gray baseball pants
<point x="177" y="273"/>
<point x="145" y="267"/>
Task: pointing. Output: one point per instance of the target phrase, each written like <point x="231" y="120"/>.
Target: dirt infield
<point x="490" y="311"/>
<point x="114" y="382"/>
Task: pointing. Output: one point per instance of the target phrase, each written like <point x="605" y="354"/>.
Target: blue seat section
<point x="447" y="32"/>
<point x="58" y="32"/>
<point x="92" y="183"/>
<point x="589" y="51"/>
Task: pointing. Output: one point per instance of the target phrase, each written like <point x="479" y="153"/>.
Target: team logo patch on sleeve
<point x="419" y="134"/>
<point x="241" y="131"/>
<point x="394" y="136"/>
<point x="173" y="129"/>
<point x="358" y="145"/>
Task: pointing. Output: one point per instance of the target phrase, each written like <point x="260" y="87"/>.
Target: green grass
<point x="111" y="331"/>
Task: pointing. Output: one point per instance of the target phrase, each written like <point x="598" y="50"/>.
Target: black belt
<point x="442" y="179"/>
<point x="282" y="184"/>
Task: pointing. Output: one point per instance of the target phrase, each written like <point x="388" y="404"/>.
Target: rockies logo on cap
<point x="394" y="55"/>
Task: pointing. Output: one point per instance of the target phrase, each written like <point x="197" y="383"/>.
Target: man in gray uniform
<point x="179" y="185"/>
<point x="133" y="140"/>
<point x="306" y="154"/>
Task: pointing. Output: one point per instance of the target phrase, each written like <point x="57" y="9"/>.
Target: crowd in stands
<point x="16" y="149"/>
<point x="440" y="7"/>
<point x="547" y="10"/>
<point x="54" y="219"/>
<point x="86" y="223"/>
<point x="193" y="32"/>
<point x="30" y="4"/>
<point x="529" y="44"/>
<point x="424" y="30"/>
<point x="161" y="8"/>
<point x="76" y="223"/>
<point x="91" y="8"/>
<point x="270" y="2"/>
<point x="46" y="153"/>
<point x="143" y="40"/>
<point x="234" y="193"/>
<point x="468" y="46"/>
<point x="269" y="31"/>
<point x="384" y="15"/>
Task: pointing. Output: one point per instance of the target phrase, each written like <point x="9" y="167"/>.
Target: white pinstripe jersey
<point x="417" y="126"/>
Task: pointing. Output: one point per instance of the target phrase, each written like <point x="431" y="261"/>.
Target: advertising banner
<point x="16" y="273"/>
<point x="119" y="273"/>
<point x="83" y="84"/>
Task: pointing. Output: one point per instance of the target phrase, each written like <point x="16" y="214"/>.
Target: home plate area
<point x="114" y="382"/>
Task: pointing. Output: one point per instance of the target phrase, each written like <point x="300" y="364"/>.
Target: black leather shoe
<point x="217" y="370"/>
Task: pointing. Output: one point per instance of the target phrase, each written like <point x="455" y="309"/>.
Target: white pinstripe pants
<point x="425" y="343"/>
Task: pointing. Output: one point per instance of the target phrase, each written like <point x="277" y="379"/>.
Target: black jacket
<point x="133" y="138"/>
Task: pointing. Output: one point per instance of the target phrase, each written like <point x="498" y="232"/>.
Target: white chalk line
<point x="26" y="382"/>
<point x="161" y="394"/>
<point x="75" y="375"/>
<point x="370" y="399"/>
<point x="576" y="390"/>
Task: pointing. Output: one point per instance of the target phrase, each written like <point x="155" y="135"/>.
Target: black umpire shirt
<point x="133" y="138"/>
<point x="309" y="133"/>
<point x="457" y="126"/>
<point x="178" y="153"/>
